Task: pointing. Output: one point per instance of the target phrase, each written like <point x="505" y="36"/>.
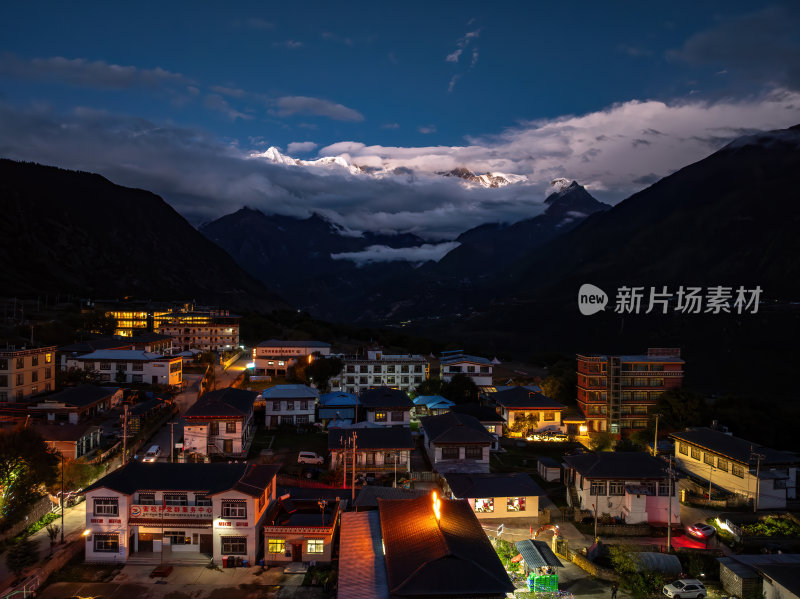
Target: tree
<point x="524" y="424"/>
<point x="460" y="389"/>
<point x="562" y="382"/>
<point x="321" y="369"/>
<point x="681" y="408"/>
<point x="640" y="581"/>
<point x="430" y="387"/>
<point x="602" y="441"/>
<point x="76" y="376"/>
<point x="52" y="532"/>
<point x="21" y="555"/>
<point x="26" y="463"/>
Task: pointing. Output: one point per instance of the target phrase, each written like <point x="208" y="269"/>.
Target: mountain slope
<point x="74" y="232"/>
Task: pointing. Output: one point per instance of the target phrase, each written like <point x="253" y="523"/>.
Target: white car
<point x="309" y="457"/>
<point x="685" y="588"/>
<point x="152" y="454"/>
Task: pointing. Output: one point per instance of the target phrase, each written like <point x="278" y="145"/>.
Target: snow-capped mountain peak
<point x="273" y="154"/>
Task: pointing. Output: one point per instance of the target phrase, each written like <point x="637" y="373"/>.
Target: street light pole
<point x="670" y="473"/>
<point x="395" y="469"/>
<point x="62" y="498"/>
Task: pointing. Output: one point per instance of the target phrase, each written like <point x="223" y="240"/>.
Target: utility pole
<point x="171" y="441"/>
<point x="125" y="434"/>
<point x="670" y="474"/>
<point x="758" y="457"/>
<point x="62" y="499"/>
<point x="655" y="439"/>
<point x="595" y="505"/>
<point x="353" y="486"/>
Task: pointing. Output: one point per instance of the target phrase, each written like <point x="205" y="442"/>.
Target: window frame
<point x="273" y="544"/>
<point x="234" y="545"/>
<point x="110" y="542"/>
<point x="318" y="548"/>
<point x="109" y="506"/>
<point x="234" y="510"/>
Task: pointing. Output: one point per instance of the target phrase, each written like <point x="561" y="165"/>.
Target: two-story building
<point x="380" y="451"/>
<point x="72" y="441"/>
<point x="487" y="416"/>
<point x="618" y="393"/>
<point x="75" y="404"/>
<point x="337" y="407"/>
<point x="456" y="443"/>
<point x="379" y="369"/>
<point x="165" y="511"/>
<point x="130" y="366"/>
<point x="768" y="477"/>
<point x="290" y="404"/>
<point x="274" y="356"/>
<point x="527" y="411"/>
<point x="457" y="362"/>
<point x="386" y="407"/>
<point x="220" y="423"/>
<point x="26" y="370"/>
<point x="631" y="486"/>
<point x="504" y="495"/>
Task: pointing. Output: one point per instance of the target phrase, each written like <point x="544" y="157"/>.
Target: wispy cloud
<point x="291" y="44"/>
<point x="461" y="45"/>
<point x="453" y="80"/>
<point x="256" y="23"/>
<point x="220" y="104"/>
<point x="291" y="105"/>
<point x="390" y="126"/>
<point x="301" y="147"/>
<point x="85" y="73"/>
<point x="233" y="92"/>
<point x="336" y="38"/>
<point x="384" y="253"/>
<point x="426" y="129"/>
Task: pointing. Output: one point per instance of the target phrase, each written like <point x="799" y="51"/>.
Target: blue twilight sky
<point x="177" y="97"/>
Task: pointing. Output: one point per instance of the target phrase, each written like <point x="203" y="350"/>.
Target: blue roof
<point x="337" y="413"/>
<point x="433" y="402"/>
<point x="464" y="358"/>
<point x="338" y="398"/>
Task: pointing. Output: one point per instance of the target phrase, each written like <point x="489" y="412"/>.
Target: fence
<point x="428" y="477"/>
<point x="38" y="511"/>
<point x="226" y="364"/>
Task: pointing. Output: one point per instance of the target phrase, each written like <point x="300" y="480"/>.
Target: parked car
<point x="309" y="457"/>
<point x="700" y="530"/>
<point x="685" y="588"/>
<point x="152" y="454"/>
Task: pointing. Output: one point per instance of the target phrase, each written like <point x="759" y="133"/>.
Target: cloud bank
<point x="384" y="253"/>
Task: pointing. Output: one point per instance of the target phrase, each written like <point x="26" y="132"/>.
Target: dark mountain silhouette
<point x="74" y="232"/>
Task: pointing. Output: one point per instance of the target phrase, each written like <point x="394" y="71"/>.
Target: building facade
<point x="377" y="369"/>
<point x="456" y="443"/>
<point x="385" y="406"/>
<point x="300" y="530"/>
<point x="521" y="408"/>
<point x="506" y="496"/>
<point x="162" y="510"/>
<point x="208" y="330"/>
<point x="379" y="451"/>
<point x="289" y="404"/>
<point x="26" y="371"/>
<point x="457" y="362"/>
<point x="220" y="423"/>
<point x="755" y="473"/>
<point x="131" y="366"/>
<point x="617" y="394"/>
<point x="274" y="356"/>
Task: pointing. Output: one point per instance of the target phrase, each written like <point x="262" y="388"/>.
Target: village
<point x="295" y="469"/>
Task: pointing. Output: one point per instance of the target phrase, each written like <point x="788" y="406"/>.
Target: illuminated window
<point x="380" y="416"/>
<point x="695" y="454"/>
<point x="106" y="543"/>
<point x="484" y="506"/>
<point x="315" y="546"/>
<point x="683" y="448"/>
<point x="515" y="504"/>
<point x="737" y="470"/>
<point x="276" y="546"/>
<point x="722" y="464"/>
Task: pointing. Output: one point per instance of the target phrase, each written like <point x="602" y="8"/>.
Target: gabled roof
<point x="455" y="428"/>
<point x="81" y="396"/>
<point x="471" y="486"/>
<point x="537" y="554"/>
<point x="385" y="397"/>
<point x="90" y="345"/>
<point x="482" y="413"/>
<point x="433" y="402"/>
<point x="629" y="465"/>
<point x="64" y="432"/>
<point x="369" y="495"/>
<point x="520" y="398"/>
<point x="279" y="343"/>
<point x="458" y="358"/>
<point x="337" y="399"/>
<point x="786" y="575"/>
<point x="384" y="437"/>
<point x="739" y="450"/>
<point x="145" y="406"/>
<point x="451" y="556"/>
<point x="228" y="402"/>
<point x="362" y="568"/>
<point x="290" y="392"/>
<point x="205" y="478"/>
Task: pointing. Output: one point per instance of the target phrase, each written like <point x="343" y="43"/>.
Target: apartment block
<point x="26" y="371"/>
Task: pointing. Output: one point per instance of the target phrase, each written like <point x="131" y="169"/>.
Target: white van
<point x="309" y="457"/>
<point x="152" y="454"/>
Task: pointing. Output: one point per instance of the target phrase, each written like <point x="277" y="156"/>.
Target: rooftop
<point x="472" y="486"/>
<point x="456" y="358"/>
<point x="64" y="432"/>
<point x="81" y="396"/>
<point x="369" y="495"/>
<point x="227" y="402"/>
<point x="384" y="397"/>
<point x="739" y="450"/>
<point x="293" y="511"/>
<point x="449" y="556"/>
<point x="385" y="437"/>
<point x="123" y="355"/>
<point x="630" y="465"/>
<point x="338" y="399"/>
<point x="455" y="428"/>
<point x="90" y="345"/>
<point x="290" y="392"/>
<point x="521" y="398"/>
<point x="433" y="402"/>
<point x="537" y="554"/>
<point x="482" y="413"/>
<point x="362" y="570"/>
<point x="211" y="478"/>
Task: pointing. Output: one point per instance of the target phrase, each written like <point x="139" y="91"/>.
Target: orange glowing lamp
<point x="436" y="506"/>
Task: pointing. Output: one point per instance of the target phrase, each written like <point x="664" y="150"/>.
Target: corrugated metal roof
<point x="537" y="554"/>
<point x="362" y="571"/>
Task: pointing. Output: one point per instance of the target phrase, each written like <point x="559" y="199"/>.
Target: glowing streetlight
<point x="436" y="506"/>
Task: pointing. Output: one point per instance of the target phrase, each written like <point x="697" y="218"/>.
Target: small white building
<point x="516" y="402"/>
<point x="168" y="511"/>
<point x="130" y="366"/>
<point x="290" y="404"/>
<point x="456" y="443"/>
<point x="220" y="423"/>
<point x="632" y="486"/>
<point x="386" y="407"/>
<point x="457" y="362"/>
<point x="737" y="466"/>
<point x="506" y="495"/>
